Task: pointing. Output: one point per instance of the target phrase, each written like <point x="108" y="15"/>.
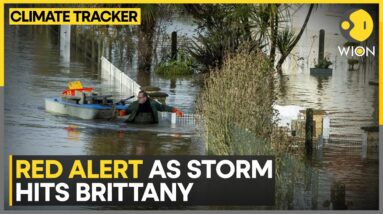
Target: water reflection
<point x="347" y="96"/>
<point x="329" y="181"/>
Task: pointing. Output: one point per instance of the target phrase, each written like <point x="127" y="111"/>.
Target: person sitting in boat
<point x="145" y="110"/>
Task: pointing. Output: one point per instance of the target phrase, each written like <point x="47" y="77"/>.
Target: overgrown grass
<point x="236" y="104"/>
<point x="238" y="117"/>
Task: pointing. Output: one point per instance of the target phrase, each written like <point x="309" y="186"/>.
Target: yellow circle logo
<point x="345" y="25"/>
<point x="359" y="51"/>
<point x="357" y="25"/>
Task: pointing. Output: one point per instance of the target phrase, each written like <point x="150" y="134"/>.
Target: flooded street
<point x="346" y="94"/>
<point x="34" y="71"/>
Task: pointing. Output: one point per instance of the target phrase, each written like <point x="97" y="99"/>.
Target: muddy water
<point x="35" y="70"/>
<point x="352" y="103"/>
<point x="346" y="95"/>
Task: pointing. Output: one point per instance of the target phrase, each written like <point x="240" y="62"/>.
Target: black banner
<point x="142" y="180"/>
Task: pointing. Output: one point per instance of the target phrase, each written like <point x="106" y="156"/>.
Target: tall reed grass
<point x="236" y="105"/>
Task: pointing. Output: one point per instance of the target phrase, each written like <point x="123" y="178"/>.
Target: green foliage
<point x="222" y="29"/>
<point x="325" y="63"/>
<point x="173" y="68"/>
<point x="264" y="17"/>
<point x="285" y="39"/>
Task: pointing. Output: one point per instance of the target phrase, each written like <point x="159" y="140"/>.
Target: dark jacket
<point x="156" y="107"/>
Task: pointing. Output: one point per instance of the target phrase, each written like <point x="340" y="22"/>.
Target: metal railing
<point x="185" y="119"/>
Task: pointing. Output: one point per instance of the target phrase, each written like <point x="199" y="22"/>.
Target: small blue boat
<point x="75" y="108"/>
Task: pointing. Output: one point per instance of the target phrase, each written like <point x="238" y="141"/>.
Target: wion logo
<point x="356" y="26"/>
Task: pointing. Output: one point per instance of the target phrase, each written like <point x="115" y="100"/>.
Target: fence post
<point x="85" y="46"/>
<point x="321" y="46"/>
<point x="173" y="118"/>
<point x="309" y="131"/>
<point x="338" y="196"/>
<point x="110" y="49"/>
<point x="174" y="45"/>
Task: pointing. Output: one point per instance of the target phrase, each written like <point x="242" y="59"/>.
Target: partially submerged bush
<point x="174" y="68"/>
<point x="236" y="106"/>
<point x="325" y="63"/>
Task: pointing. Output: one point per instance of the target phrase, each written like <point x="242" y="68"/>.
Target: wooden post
<point x="174" y="46"/>
<point x="73" y="35"/>
<point x="110" y="49"/>
<point x="173" y="83"/>
<point x="321" y="46"/>
<point x="99" y="49"/>
<point x="77" y="42"/>
<point x="338" y="196"/>
<point x="92" y="50"/>
<point x="309" y="131"/>
<point x="85" y="45"/>
<point x="80" y="41"/>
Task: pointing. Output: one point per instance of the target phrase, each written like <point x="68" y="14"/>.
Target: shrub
<point x="325" y="63"/>
<point x="173" y="68"/>
<point x="236" y="106"/>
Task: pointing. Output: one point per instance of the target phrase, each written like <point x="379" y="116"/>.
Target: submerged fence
<point x="186" y="119"/>
<point x="119" y="79"/>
